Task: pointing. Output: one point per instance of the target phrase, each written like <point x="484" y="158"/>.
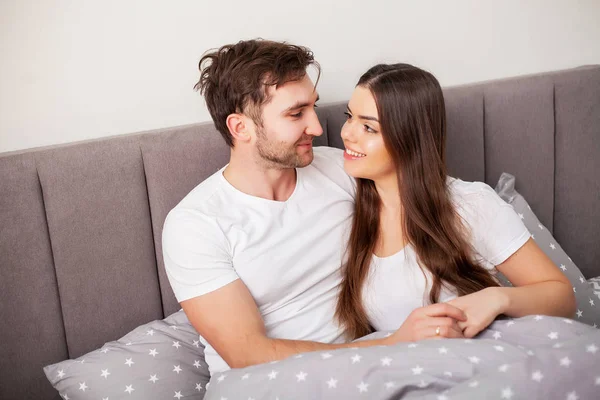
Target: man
<point x="254" y="252"/>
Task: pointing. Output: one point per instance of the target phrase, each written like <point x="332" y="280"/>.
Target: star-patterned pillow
<point x="588" y="309"/>
<point x="159" y="360"/>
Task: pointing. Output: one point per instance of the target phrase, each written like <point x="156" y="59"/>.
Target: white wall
<point x="73" y="70"/>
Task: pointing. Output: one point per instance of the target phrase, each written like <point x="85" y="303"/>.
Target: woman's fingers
<point x="444" y="310"/>
<point x="448" y="328"/>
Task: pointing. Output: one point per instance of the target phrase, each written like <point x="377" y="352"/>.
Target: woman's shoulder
<point x="473" y="197"/>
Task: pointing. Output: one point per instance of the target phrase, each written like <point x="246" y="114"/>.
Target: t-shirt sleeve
<point x="497" y="231"/>
<point x="330" y="161"/>
<point x="196" y="254"/>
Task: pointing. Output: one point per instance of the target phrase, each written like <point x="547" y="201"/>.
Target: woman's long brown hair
<point x="412" y="115"/>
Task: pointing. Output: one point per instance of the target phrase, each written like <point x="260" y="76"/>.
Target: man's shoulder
<point x="328" y="162"/>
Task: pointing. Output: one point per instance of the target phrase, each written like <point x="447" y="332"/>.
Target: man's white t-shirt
<point x="396" y="284"/>
<point x="288" y="253"/>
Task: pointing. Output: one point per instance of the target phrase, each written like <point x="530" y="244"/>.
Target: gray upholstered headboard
<point x="80" y="224"/>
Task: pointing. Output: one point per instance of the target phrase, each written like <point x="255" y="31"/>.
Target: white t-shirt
<point x="288" y="254"/>
<point x="395" y="285"/>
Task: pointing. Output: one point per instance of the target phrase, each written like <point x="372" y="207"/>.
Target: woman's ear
<point x="239" y="127"/>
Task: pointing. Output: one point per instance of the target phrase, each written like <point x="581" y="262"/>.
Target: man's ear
<point x="239" y="127"/>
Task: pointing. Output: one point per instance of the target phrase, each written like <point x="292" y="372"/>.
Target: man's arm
<point x="230" y="321"/>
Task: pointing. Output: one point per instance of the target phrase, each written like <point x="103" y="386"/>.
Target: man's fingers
<point x="445" y="310"/>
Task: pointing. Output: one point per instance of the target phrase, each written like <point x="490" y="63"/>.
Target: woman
<point x="420" y="237"/>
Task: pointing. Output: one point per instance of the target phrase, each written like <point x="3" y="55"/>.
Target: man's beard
<point x="281" y="154"/>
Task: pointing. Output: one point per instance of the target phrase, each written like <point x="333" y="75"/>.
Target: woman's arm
<point x="540" y="287"/>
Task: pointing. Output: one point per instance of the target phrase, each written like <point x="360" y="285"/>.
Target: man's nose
<point x="314" y="127"/>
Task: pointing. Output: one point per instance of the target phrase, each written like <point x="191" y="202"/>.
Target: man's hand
<point x="481" y="308"/>
<point x="423" y="323"/>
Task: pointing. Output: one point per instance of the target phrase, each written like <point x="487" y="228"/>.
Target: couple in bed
<point x="290" y="248"/>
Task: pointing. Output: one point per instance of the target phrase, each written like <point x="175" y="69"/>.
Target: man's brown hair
<point x="234" y="78"/>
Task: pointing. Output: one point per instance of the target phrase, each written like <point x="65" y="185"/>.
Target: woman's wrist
<point x="501" y="299"/>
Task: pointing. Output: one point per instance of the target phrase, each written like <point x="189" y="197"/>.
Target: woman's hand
<point x="481" y="308"/>
<point x="434" y="321"/>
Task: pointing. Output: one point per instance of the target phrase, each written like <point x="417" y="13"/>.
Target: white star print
<point x="177" y="368"/>
<point x="82" y="361"/>
<point x="567" y="321"/>
<point x="325" y="356"/>
<point x="417" y="370"/>
<point x="572" y="396"/>
<point x="539" y="317"/>
<point x="61" y="373"/>
<point x="356" y="358"/>
<point x="422" y="384"/>
<point x="509" y="323"/>
<point x="82" y="386"/>
<point x="557" y="345"/>
<point x="129" y="389"/>
<point x="198" y="386"/>
<point x="196" y="343"/>
<point x="105" y="373"/>
<point x="521" y="216"/>
<point x="363" y="387"/>
<point x="197" y="363"/>
<point x="153" y="378"/>
<point x="553" y="335"/>
<point x="579" y="313"/>
<point x="537" y="376"/>
<point x="581" y="279"/>
<point x="65" y="396"/>
<point x="565" y="362"/>
<point x="503" y="368"/>
<point x="443" y="350"/>
<point x="507" y="393"/>
<point x="105" y="350"/>
<point x="412" y="345"/>
<point x="442" y="397"/>
<point x="598" y="381"/>
<point x="176" y="344"/>
<point x="273" y="375"/>
<point x="574" y="290"/>
<point x="245" y="376"/>
<point x="390" y="385"/>
<point x="128" y="344"/>
<point x="592" y="302"/>
<point x="499" y="348"/>
<point x="530" y="353"/>
<point x="153" y="353"/>
<point x="533" y="236"/>
<point x="468" y="341"/>
<point x="592" y="348"/>
<point x="298" y="356"/>
<point x="541" y="226"/>
<point x="563" y="267"/>
<point x="105" y="398"/>
<point x="221" y="378"/>
<point x="301" y="376"/>
<point x="497" y="335"/>
<point x="129" y="362"/>
<point x="150" y="332"/>
<point x="332" y="383"/>
<point x="386" y="361"/>
<point x="474" y="360"/>
<point x="448" y="373"/>
<point x="178" y="395"/>
<point x="474" y="384"/>
<point x="552" y="246"/>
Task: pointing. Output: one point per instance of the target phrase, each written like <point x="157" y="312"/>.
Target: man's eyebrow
<point x="368" y="118"/>
<point x="299" y="105"/>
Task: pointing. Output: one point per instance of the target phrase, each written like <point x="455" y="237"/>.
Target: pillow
<point x="595" y="285"/>
<point x="588" y="309"/>
<point x="159" y="360"/>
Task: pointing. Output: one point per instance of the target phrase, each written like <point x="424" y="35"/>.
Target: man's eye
<point x="297" y="115"/>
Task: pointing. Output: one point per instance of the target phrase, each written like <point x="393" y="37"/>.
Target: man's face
<point x="289" y="124"/>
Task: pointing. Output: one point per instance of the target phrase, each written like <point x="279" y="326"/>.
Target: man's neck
<point x="255" y="179"/>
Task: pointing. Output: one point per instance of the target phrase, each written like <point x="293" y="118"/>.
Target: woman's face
<point x="366" y="155"/>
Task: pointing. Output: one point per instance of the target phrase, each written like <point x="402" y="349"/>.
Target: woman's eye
<point x="367" y="128"/>
<point x="347" y="114"/>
